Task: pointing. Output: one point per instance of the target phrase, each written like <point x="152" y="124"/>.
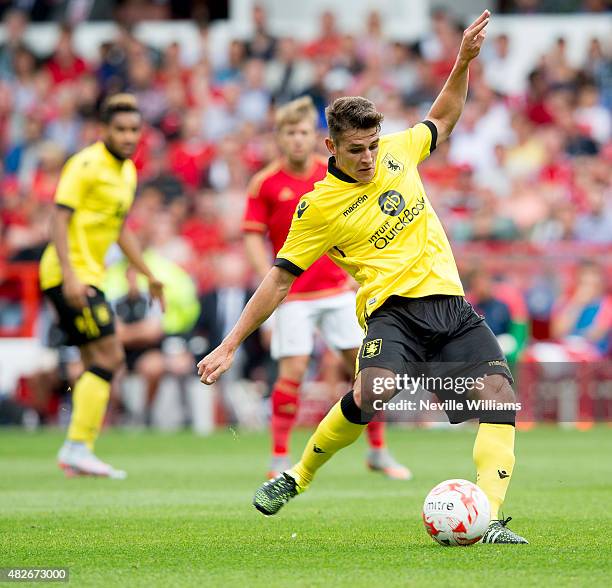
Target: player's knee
<point x="293" y="368"/>
<point x="496" y="387"/>
<point x="107" y="353"/>
<point x="115" y="358"/>
<point x="367" y="399"/>
<point x="377" y="386"/>
<point x="372" y="402"/>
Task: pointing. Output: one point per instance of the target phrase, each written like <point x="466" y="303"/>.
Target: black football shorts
<point x="441" y="338"/>
<point x="80" y="327"/>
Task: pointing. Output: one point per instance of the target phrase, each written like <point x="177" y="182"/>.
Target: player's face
<point x="123" y="133"/>
<point x="297" y="141"/>
<point x="356" y="152"/>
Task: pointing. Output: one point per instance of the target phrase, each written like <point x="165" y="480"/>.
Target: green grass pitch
<point x="184" y="516"/>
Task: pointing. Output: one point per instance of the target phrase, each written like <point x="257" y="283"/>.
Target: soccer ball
<point x="456" y="512"/>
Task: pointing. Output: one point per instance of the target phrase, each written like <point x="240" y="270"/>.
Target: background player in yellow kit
<point x="94" y="195"/>
<point x="372" y="217"/>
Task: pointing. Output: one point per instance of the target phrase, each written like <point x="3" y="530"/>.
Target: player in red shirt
<point x="320" y="299"/>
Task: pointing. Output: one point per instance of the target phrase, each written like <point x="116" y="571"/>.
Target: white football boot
<point x="76" y="459"/>
<point x="381" y="460"/>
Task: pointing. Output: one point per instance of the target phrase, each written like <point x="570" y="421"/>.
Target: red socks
<point x="376" y="434"/>
<point x="285" y="400"/>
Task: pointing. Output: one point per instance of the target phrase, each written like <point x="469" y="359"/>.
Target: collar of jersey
<point x="337" y="172"/>
<point x="116" y="159"/>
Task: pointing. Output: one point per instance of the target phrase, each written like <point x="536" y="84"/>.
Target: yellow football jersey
<point x="384" y="233"/>
<point x="100" y="189"/>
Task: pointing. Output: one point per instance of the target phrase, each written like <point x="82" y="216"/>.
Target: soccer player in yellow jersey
<point x="94" y="195"/>
<point x="371" y="216"/>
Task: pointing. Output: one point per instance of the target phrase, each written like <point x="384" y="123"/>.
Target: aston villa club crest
<point x="392" y="164"/>
<point x="372" y="348"/>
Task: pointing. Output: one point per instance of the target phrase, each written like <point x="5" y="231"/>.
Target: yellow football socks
<point x="333" y="433"/>
<point x="494" y="459"/>
<point x="89" y="400"/>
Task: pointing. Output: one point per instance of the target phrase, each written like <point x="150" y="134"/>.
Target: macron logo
<point x="355" y="205"/>
<point x="301" y="209"/>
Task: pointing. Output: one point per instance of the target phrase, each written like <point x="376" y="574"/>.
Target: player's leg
<point x="341" y="331"/>
<point x="293" y="330"/>
<point x="334" y="316"/>
<point x="93" y="331"/>
<point x="473" y="351"/>
<point x="347" y="419"/>
<point x="285" y="399"/>
<point x="89" y="401"/>
<point x="493" y="454"/>
<point x="494" y="445"/>
<point x="379" y="457"/>
<point x="102" y="358"/>
<point x="341" y="427"/>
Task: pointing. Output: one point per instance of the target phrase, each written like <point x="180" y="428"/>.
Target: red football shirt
<point x="273" y="195"/>
<point x="188" y="158"/>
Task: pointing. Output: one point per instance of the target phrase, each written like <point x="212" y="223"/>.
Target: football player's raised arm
<point x="448" y="106"/>
<point x="271" y="292"/>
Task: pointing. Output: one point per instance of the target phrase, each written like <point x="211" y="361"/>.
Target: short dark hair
<point x="351" y="112"/>
<point x="116" y="104"/>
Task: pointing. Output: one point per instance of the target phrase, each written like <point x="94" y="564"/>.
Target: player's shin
<point x="89" y="400"/>
<point x="494" y="460"/>
<point x="376" y="434"/>
<point x="341" y="426"/>
<point x="285" y="400"/>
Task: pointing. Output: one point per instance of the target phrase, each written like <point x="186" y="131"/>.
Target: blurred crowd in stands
<point x="76" y="11"/>
<point x="554" y="6"/>
<point x="527" y="169"/>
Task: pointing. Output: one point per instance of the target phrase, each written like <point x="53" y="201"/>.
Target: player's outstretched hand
<point x="473" y="37"/>
<point x="219" y="360"/>
<point x="156" y="291"/>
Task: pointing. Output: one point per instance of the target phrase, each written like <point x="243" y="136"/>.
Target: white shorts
<point x="295" y="323"/>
